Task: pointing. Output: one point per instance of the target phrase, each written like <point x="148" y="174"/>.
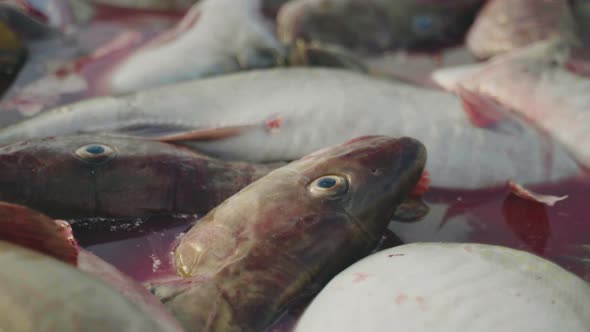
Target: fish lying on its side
<point x="541" y="83"/>
<point x="284" y="114"/>
<point x="374" y="26"/>
<point x="89" y="176"/>
<point x="43" y="291"/>
<point x="214" y="37"/>
<point x="243" y="39"/>
<point x="247" y="260"/>
<point x="506" y="25"/>
<point x="450" y="287"/>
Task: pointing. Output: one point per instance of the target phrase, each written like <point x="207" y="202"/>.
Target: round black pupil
<point x="95" y="149"/>
<point x="327" y="183"/>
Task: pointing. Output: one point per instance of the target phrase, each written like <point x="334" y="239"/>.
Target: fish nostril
<point x="376" y="171"/>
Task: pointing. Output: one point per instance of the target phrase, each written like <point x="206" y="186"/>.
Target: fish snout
<point x="387" y="171"/>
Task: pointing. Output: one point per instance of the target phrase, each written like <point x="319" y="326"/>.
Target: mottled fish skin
<point x="284" y="114"/>
<point x="251" y="257"/>
<point x="43" y="294"/>
<point x="130" y="178"/>
<point x="374" y="26"/>
<point x="505" y="25"/>
<point x="535" y="83"/>
<point x="214" y="37"/>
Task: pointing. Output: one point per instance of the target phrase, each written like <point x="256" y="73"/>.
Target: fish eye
<point x="423" y="24"/>
<point x="329" y="186"/>
<point x="95" y="152"/>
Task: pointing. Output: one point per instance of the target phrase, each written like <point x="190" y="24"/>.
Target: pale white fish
<point x="506" y="25"/>
<point x="535" y="83"/>
<point x="450" y="287"/>
<point x="284" y="114"/>
<point x="214" y="37"/>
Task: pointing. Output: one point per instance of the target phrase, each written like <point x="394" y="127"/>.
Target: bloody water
<point x="142" y="247"/>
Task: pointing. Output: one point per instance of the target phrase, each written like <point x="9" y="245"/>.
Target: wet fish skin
<point x="137" y="178"/>
<point x="246" y="106"/>
<point x="214" y="37"/>
<point x="505" y="25"/>
<point x="61" y="298"/>
<point x="27" y="228"/>
<point x="248" y="259"/>
<point x="375" y="26"/>
<point x="536" y="83"/>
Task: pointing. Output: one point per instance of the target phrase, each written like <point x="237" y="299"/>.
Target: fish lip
<point x="407" y="161"/>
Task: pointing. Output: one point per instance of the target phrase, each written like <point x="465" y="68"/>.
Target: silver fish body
<point x="535" y="83"/>
<point x="284" y="114"/>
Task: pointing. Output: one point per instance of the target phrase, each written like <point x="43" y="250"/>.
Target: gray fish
<point x="90" y="176"/>
<point x="374" y="26"/>
<point x="246" y="261"/>
<point x="284" y="114"/>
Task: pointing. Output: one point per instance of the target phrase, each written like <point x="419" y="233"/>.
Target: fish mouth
<point x="389" y="169"/>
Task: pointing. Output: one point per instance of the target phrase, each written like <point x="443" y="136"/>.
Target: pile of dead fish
<point x="298" y="130"/>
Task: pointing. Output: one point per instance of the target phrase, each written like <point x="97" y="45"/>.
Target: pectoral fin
<point x="486" y="112"/>
<point x="207" y="134"/>
<point x="179" y="133"/>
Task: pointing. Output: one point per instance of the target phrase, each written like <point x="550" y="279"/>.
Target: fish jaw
<point x="269" y="233"/>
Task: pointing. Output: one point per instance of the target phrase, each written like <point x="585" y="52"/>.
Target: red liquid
<point x="492" y="217"/>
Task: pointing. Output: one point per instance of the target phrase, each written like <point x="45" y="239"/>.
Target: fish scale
<point x="317" y="108"/>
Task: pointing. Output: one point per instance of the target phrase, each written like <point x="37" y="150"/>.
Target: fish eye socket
<point x="331" y="186"/>
<point x="95" y="152"/>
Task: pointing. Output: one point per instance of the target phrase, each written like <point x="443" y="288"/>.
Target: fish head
<point x="300" y="223"/>
<point x="80" y="176"/>
<point x="346" y="193"/>
<point x="365" y="178"/>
